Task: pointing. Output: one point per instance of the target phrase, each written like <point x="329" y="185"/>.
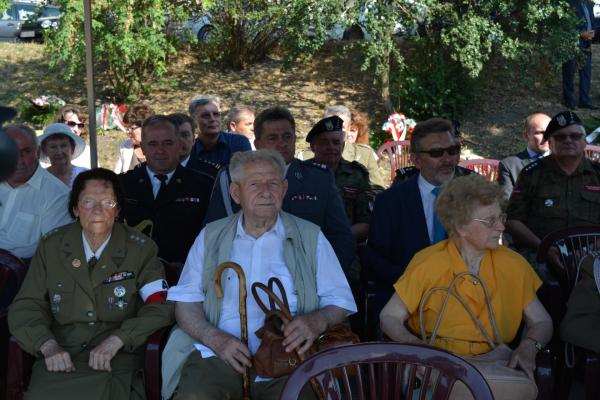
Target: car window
<point x="6" y="15"/>
<point x="50" y="12"/>
<point x="24" y="11"/>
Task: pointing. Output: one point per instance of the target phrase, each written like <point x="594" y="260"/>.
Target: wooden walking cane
<point x="243" y="316"/>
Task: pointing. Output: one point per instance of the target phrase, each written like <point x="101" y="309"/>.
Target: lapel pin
<point x="76" y="263"/>
<point x="119" y="291"/>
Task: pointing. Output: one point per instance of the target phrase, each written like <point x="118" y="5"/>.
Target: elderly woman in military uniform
<point x="469" y="295"/>
<point x="93" y="294"/>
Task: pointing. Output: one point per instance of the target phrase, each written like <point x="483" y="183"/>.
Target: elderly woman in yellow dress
<point x="93" y="294"/>
<point x="470" y="263"/>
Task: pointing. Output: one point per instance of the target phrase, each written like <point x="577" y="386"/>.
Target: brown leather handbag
<point x="271" y="360"/>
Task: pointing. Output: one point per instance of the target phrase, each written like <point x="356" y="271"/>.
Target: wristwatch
<point x="537" y="344"/>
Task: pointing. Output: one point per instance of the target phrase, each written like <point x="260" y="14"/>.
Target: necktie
<point x="92" y="262"/>
<point x="163" y="183"/>
<point x="439" y="233"/>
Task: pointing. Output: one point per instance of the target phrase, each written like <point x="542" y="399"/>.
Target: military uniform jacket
<point x="581" y="324"/>
<point x="176" y="215"/>
<point x="365" y="155"/>
<point x="311" y="195"/>
<point x="546" y="199"/>
<point x="62" y="298"/>
<point x="403" y="174"/>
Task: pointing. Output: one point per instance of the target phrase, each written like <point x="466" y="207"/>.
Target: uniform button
<point x="84" y="345"/>
<point x="90" y="314"/>
<point x="91" y="323"/>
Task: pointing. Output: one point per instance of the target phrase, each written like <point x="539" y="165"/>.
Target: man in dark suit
<point x="584" y="11"/>
<point x="404" y="221"/>
<point x="174" y="198"/>
<point x="511" y="166"/>
<point x="311" y="195"/>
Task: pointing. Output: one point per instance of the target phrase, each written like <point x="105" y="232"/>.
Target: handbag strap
<point x="450" y="291"/>
<point x="273" y="299"/>
<point x="275" y="281"/>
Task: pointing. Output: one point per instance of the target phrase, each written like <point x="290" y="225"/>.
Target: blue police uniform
<point x="311" y="195"/>
<point x="227" y="144"/>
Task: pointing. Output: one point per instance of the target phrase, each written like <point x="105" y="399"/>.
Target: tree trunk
<point x="384" y="81"/>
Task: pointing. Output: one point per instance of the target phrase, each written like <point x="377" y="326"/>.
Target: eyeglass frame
<point x="105" y="204"/>
<point x="490" y="223"/>
<point x="451" y="151"/>
<point x="72" y="124"/>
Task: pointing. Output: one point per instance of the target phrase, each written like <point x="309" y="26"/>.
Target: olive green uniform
<point x="581" y="324"/>
<point x="365" y="155"/>
<point x="352" y="180"/>
<point x="64" y="299"/>
<point x="546" y="199"/>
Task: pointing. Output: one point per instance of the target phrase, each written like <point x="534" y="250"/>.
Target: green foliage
<point x="4" y="4"/>
<point x="445" y="45"/>
<point x="245" y="32"/>
<point x="131" y="46"/>
<point x="40" y="111"/>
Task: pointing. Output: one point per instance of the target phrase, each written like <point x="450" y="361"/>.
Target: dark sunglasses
<point x="561" y="137"/>
<point x="437" y="153"/>
<point x="72" y="124"/>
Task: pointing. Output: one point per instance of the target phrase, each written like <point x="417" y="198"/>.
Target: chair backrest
<point x="592" y="152"/>
<point x="382" y="371"/>
<point x="483" y="166"/>
<point x="573" y="244"/>
<point x="398" y="154"/>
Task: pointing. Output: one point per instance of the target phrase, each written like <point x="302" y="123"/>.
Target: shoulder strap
<point x="450" y="291"/>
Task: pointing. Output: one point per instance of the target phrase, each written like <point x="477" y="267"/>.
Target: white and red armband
<point x="154" y="292"/>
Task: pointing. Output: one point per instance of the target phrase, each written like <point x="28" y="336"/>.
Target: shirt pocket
<point x="118" y="301"/>
<point x="61" y="298"/>
<point x="281" y="272"/>
<point x="589" y="208"/>
<point x="547" y="203"/>
<point x="25" y="228"/>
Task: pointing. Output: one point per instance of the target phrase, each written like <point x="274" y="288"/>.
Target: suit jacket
<point x="509" y="170"/>
<point x="398" y="231"/>
<point x="311" y="195"/>
<point x="176" y="215"/>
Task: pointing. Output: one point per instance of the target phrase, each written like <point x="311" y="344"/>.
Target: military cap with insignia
<point x="561" y="120"/>
<point x="329" y="124"/>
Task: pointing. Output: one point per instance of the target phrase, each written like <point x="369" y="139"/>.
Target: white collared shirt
<point x="428" y="200"/>
<point x="260" y="259"/>
<point x="185" y="161"/>
<point x="533" y="154"/>
<point x="89" y="253"/>
<point x="156" y="182"/>
<point x="29" y="211"/>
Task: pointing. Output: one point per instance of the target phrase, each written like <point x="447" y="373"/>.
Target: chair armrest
<point x="153" y="362"/>
<point x="544" y="374"/>
<point x="19" y="373"/>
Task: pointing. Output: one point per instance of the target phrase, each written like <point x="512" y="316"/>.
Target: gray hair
<point x="201" y="100"/>
<point x="341" y="111"/>
<point x="242" y="158"/>
<point x="234" y="115"/>
<point x="24" y="129"/>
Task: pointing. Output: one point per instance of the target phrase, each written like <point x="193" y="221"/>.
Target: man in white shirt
<point x="266" y="242"/>
<point x="32" y="201"/>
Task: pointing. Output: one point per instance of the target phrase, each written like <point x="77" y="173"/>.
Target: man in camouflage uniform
<point x="326" y="140"/>
<point x="558" y="191"/>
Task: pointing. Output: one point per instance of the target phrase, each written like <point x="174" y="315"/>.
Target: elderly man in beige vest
<point x="266" y="242"/>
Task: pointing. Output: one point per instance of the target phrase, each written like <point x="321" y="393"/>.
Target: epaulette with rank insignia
<point x="138" y="238"/>
<point x="53" y="231"/>
<point x="403" y="174"/>
<point x="531" y="166"/>
<point x="316" y="165"/>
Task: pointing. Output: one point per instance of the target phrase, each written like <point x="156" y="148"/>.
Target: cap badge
<point x="561" y="120"/>
<point x="329" y="125"/>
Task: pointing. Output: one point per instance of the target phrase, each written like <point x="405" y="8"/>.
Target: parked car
<point x="48" y="17"/>
<point x="27" y="20"/>
<point x="196" y="26"/>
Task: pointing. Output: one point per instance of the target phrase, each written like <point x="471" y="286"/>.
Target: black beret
<point x="329" y="124"/>
<point x="6" y="113"/>
<point x="561" y="120"/>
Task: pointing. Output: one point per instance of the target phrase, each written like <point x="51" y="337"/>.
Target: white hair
<point x="242" y="158"/>
<point x="201" y="100"/>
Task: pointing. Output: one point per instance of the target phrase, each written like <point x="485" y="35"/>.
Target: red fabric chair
<point x="573" y="244"/>
<point x="382" y="371"/>
<point x="398" y="154"/>
<point x="592" y="152"/>
<point x="483" y="166"/>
